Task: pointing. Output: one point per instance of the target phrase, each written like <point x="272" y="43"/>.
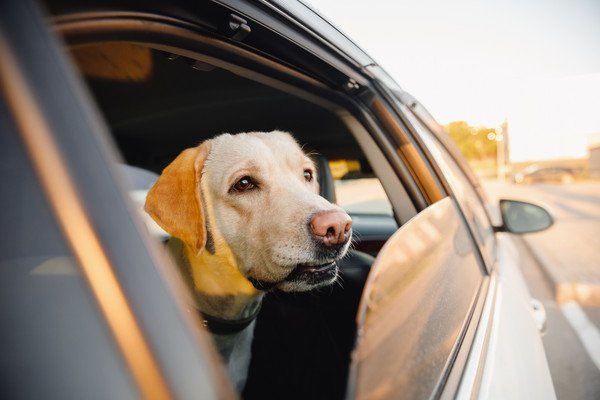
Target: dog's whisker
<point x="356" y="235"/>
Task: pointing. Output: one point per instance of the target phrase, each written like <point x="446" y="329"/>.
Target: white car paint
<point x="515" y="365"/>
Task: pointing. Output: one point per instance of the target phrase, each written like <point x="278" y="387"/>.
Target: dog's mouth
<point x="313" y="274"/>
<point x="306" y="275"/>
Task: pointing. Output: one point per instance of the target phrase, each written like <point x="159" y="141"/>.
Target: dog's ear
<point x="175" y="200"/>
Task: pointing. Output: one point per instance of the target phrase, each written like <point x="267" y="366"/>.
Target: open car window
<point x="357" y="188"/>
<point x="158" y="103"/>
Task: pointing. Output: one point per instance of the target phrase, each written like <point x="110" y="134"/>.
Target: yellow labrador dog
<point x="249" y="218"/>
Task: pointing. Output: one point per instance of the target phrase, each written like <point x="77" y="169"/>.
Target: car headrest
<point x="326" y="184"/>
<point x="140" y="181"/>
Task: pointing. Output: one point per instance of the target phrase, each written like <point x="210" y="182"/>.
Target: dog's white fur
<point x="232" y="235"/>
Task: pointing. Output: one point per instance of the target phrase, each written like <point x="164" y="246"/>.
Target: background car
<point x="91" y="305"/>
<point x="537" y="174"/>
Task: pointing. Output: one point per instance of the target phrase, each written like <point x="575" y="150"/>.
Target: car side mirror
<point x="521" y="217"/>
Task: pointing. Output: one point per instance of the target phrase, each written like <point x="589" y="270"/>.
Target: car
<point x="537" y="174"/>
<point x="98" y="97"/>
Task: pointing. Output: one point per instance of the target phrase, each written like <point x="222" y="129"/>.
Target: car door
<point x="88" y="309"/>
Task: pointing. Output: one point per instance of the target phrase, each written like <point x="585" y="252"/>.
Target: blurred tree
<point x="475" y="142"/>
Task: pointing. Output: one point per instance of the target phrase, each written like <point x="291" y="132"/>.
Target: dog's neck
<point x="218" y="287"/>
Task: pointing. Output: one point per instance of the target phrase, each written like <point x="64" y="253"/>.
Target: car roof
<point x="313" y="21"/>
<point x="294" y="13"/>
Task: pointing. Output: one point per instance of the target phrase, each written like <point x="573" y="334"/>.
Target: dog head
<point x="251" y="201"/>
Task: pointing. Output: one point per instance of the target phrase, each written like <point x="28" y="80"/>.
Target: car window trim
<point x="278" y="20"/>
<point x="309" y="18"/>
<point x="402" y="130"/>
<point x="428" y="184"/>
<point x="464" y="376"/>
<point x="419" y="112"/>
<point x="465" y="170"/>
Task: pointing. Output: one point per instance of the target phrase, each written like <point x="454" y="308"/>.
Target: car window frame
<point x="488" y="256"/>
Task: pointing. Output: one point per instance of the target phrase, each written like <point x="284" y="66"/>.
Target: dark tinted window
<point x="54" y="340"/>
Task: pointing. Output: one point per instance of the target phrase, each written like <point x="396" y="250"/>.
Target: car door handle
<point x="539" y="314"/>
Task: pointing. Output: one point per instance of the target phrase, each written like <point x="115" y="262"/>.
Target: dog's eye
<point x="244" y="183"/>
<point x="308" y="175"/>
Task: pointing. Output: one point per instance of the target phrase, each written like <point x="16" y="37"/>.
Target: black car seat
<point x="303" y="341"/>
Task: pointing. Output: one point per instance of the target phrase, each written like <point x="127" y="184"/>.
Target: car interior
<point x="157" y="103"/>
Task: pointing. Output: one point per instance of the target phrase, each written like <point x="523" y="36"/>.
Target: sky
<point x="535" y="63"/>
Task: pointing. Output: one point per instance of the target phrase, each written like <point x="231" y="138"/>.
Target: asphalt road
<point x="565" y="256"/>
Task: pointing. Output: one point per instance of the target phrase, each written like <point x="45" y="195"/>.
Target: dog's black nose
<point x="331" y="227"/>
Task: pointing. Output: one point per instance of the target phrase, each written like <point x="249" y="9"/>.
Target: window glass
<point x="415" y="306"/>
<point x="54" y="339"/>
<point x="468" y="199"/>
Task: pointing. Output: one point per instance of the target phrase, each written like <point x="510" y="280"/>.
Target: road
<point x="564" y="273"/>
